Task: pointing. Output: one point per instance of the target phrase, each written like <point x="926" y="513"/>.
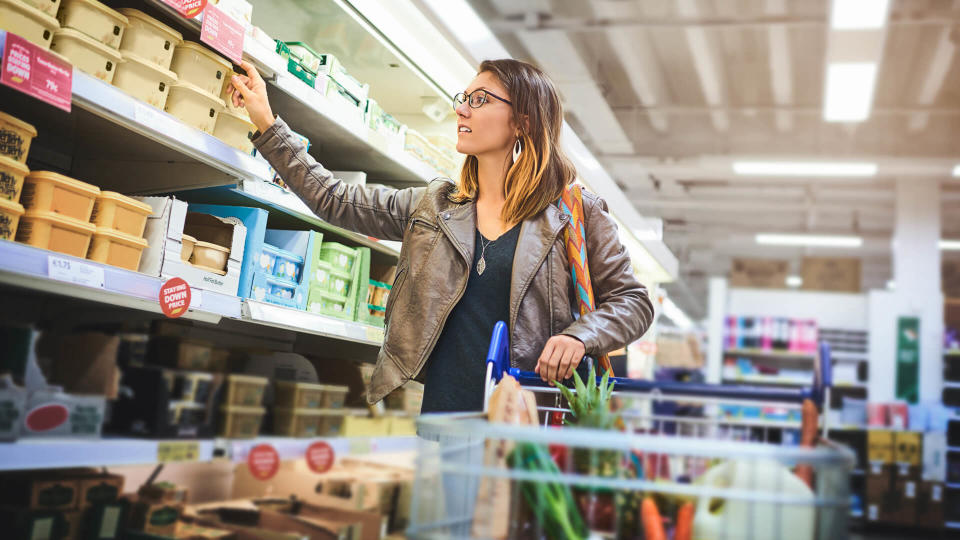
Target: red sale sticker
<point x="320" y="457"/>
<point x="263" y="461"/>
<point x="187" y="8"/>
<point x="223" y="33"/>
<point x="174" y="297"/>
<point x="36" y="72"/>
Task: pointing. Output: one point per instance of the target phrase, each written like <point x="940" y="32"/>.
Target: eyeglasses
<point x="476" y="99"/>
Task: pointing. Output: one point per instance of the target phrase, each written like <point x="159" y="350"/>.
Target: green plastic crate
<point x="339" y="256"/>
<point x="341" y="283"/>
<point x="320" y="277"/>
<point x="323" y="302"/>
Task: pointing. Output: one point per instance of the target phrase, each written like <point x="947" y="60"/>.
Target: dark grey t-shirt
<point x="456" y="367"/>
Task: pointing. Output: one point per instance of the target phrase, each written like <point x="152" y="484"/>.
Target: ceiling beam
<point x="937" y="71"/>
<point x="781" y="68"/>
<point x="635" y="53"/>
<point x="705" y="64"/>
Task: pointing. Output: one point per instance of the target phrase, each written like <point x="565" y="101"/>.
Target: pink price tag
<point x="223" y="33"/>
<point x="36" y="72"/>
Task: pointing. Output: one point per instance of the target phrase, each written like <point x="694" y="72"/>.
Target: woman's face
<point x="489" y="128"/>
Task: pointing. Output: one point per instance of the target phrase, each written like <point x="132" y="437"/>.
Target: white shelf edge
<point x="767" y="380"/>
<point x="952" y="524"/>
<point x="778" y="355"/>
<point x="949" y="384"/>
<point x="313" y="323"/>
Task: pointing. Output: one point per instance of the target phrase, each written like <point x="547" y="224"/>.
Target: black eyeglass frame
<point x="467" y="98"/>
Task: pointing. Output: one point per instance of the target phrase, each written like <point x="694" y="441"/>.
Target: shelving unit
<point x="770" y="354"/>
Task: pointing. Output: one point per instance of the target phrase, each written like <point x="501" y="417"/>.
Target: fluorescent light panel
<point x="675" y="314"/>
<point x="849" y="93"/>
<point x="956" y="171"/>
<point x="950" y="245"/>
<point x="811" y="240"/>
<point x="794" y="281"/>
<point x="803" y="168"/>
<point x="858" y="14"/>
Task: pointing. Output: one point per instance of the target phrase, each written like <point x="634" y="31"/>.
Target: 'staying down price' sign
<point x="35" y="72"/>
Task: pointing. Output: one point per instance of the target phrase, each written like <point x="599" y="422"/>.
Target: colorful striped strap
<point x="575" y="238"/>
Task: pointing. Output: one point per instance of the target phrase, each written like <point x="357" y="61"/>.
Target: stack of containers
<point x="33" y="20"/>
<point x="58" y="210"/>
<point x="308" y="409"/>
<point x="333" y="286"/>
<point x="15" y="138"/>
<point x="242" y="411"/>
<point x="282" y="269"/>
<point x="195" y="98"/>
<point x="147" y="49"/>
<point x="90" y="36"/>
<point x="120" y="222"/>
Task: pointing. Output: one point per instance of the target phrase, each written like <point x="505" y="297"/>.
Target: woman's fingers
<point x="252" y="72"/>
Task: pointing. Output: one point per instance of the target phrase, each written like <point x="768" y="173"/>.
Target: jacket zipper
<point x="424" y="222"/>
<point x="526" y="285"/>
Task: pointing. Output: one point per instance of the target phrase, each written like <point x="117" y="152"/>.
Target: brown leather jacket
<point x="435" y="260"/>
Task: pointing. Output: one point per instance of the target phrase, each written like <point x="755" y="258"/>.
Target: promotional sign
<point x="908" y="359"/>
<point x="263" y="461"/>
<point x="174" y="297"/>
<point x="187" y="8"/>
<point x="36" y="72"/>
<point x="320" y="457"/>
<point x="223" y="33"/>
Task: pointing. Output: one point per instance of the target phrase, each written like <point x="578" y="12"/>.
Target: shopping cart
<point x="470" y="482"/>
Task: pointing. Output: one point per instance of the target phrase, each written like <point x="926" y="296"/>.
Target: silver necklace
<point x="482" y="263"/>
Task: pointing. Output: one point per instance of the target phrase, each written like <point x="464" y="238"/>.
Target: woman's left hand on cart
<point x="560" y="357"/>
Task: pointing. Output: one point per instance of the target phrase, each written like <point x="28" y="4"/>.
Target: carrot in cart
<point x="808" y="438"/>
<point x="652" y="522"/>
<point x="684" y="529"/>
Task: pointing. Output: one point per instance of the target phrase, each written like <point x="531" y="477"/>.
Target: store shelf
<point x="767" y="379"/>
<point x="28" y="267"/>
<point x="952" y="352"/>
<point x="109" y="451"/>
<point x="950" y="384"/>
<point x="759" y="422"/>
<point x="761" y="353"/>
<point x="311" y="323"/>
<point x="843" y="356"/>
<point x="952" y="485"/>
<point x="847" y="384"/>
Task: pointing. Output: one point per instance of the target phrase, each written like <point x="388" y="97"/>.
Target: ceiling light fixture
<point x="849" y="93"/>
<point x="675" y="314"/>
<point x="858" y="14"/>
<point x="950" y="245"/>
<point x="956" y="171"/>
<point x="794" y="281"/>
<point x="809" y="240"/>
<point x="803" y="168"/>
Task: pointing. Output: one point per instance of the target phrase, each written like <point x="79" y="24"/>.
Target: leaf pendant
<point x="481" y="266"/>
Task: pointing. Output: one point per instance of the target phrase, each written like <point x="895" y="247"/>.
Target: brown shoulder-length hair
<point x="543" y="170"/>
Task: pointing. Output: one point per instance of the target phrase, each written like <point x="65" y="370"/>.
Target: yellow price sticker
<point x="360" y="446"/>
<point x="374" y="333"/>
<point x="177" y="451"/>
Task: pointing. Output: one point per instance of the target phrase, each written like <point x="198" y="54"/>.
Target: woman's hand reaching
<point x="250" y="91"/>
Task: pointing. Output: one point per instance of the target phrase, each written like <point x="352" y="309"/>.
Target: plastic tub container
<point x="189" y="386"/>
<point x="194" y="106"/>
<point x="326" y="303"/>
<point x="186" y="248"/>
<point x="287" y="265"/>
<point x="149" y="39"/>
<point x="334" y="396"/>
<point x="52" y="192"/>
<point x="87" y="54"/>
<point x="244" y="390"/>
<point x="320" y="278"/>
<point x="235" y="130"/>
<point x="10" y="214"/>
<point x="275" y="287"/>
<point x="116" y="248"/>
<point x="15" y="137"/>
<point x="241" y="422"/>
<point x="95" y="20"/>
<point x="12" y="174"/>
<point x="341" y="283"/>
<point x="209" y="255"/>
<point x="56" y="232"/>
<point x="50" y="7"/>
<point x="125" y="214"/>
<point x="338" y="255"/>
<point x="144" y="80"/>
<point x="297" y="395"/>
<point x="228" y="100"/>
<point x="305" y="423"/>
<point x="331" y="422"/>
<point x="28" y="22"/>
<point x="201" y="67"/>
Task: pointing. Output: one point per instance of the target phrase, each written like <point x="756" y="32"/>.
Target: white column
<point x="717" y="316"/>
<point x="916" y="276"/>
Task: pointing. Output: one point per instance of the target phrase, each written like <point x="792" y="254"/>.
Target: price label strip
<point x="360" y="446"/>
<point x="177" y="451"/>
<point x="70" y="271"/>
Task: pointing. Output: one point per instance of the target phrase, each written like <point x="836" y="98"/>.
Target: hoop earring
<point x="516" y="150"/>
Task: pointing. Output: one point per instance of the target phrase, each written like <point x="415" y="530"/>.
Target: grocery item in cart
<point x="12" y="175"/>
<point x="28" y="22"/>
<point x="149" y="39"/>
<point x="199" y="66"/>
<point x="51" y="192"/>
<point x="144" y="80"/>
<point x="95" y="20"/>
<point x="194" y="106"/>
<point x="87" y="54"/>
<point x="15" y="137"/>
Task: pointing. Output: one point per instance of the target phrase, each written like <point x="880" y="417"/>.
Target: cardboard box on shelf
<point x="107" y="521"/>
<point x="759" y="273"/>
<point x="929" y="503"/>
<point x="831" y="274"/>
<point x="881" y="499"/>
<point x="934" y="457"/>
<point x="255" y="222"/>
<point x="99" y="489"/>
<point x="45" y="407"/>
<point x="41" y="491"/>
<point x="32" y="524"/>
<point x="165" y="229"/>
<point x="908" y="447"/>
<point x="880" y="445"/>
<point x="905" y="493"/>
<point x="84" y="363"/>
<point x="159" y="519"/>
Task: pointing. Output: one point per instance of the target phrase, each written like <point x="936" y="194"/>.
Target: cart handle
<point x="498" y="362"/>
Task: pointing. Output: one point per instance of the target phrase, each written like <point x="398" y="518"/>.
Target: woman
<point x="485" y="249"/>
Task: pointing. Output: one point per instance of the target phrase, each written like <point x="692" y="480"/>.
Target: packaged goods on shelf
<point x="28" y="22"/>
<point x="254" y="221"/>
<point x="149" y="39"/>
<point x="157" y="519"/>
<point x="338" y="256"/>
<point x="115" y="248"/>
<point x="12" y="408"/>
<point x="87" y="54"/>
<point x="186" y="248"/>
<point x="56" y="232"/>
<point x="151" y="409"/>
<point x="15" y="138"/>
<point x="235" y="129"/>
<point x="54" y="413"/>
<point x="305" y="423"/>
<point x="51" y="192"/>
<point x="302" y="520"/>
<point x="210" y="256"/>
<point x="346" y="105"/>
<point x="240" y="422"/>
<point x="40" y="490"/>
<point x="194" y="106"/>
<point x="50" y="7"/>
<point x="282" y="270"/>
<point x="10" y="214"/>
<point x="94" y="19"/>
<point x="772" y="334"/>
<point x="144" y="80"/>
<point x="12" y="175"/>
<point x="124" y="214"/>
<point x="244" y="390"/>
<point x="307" y="57"/>
<point x="201" y="68"/>
<point x="176" y="352"/>
<point x="333" y="68"/>
<point x="163" y="492"/>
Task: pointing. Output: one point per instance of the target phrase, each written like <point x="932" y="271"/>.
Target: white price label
<point x="936" y="493"/>
<point x="872" y="512"/>
<point x="153" y="118"/>
<point x="62" y="269"/>
<point x="196" y="298"/>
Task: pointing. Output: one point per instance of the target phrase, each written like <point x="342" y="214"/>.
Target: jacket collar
<point x="537" y="236"/>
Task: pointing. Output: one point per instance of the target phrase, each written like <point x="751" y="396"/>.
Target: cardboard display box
<point x="160" y="519"/>
<point x="881" y="500"/>
<point x="165" y="229"/>
<point x="880" y="446"/>
<point x="929" y="503"/>
<point x="255" y="222"/>
<point x="934" y="457"/>
<point x="759" y="273"/>
<point x="831" y="274"/>
<point x="908" y="447"/>
<point x="99" y="489"/>
<point x="302" y="243"/>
